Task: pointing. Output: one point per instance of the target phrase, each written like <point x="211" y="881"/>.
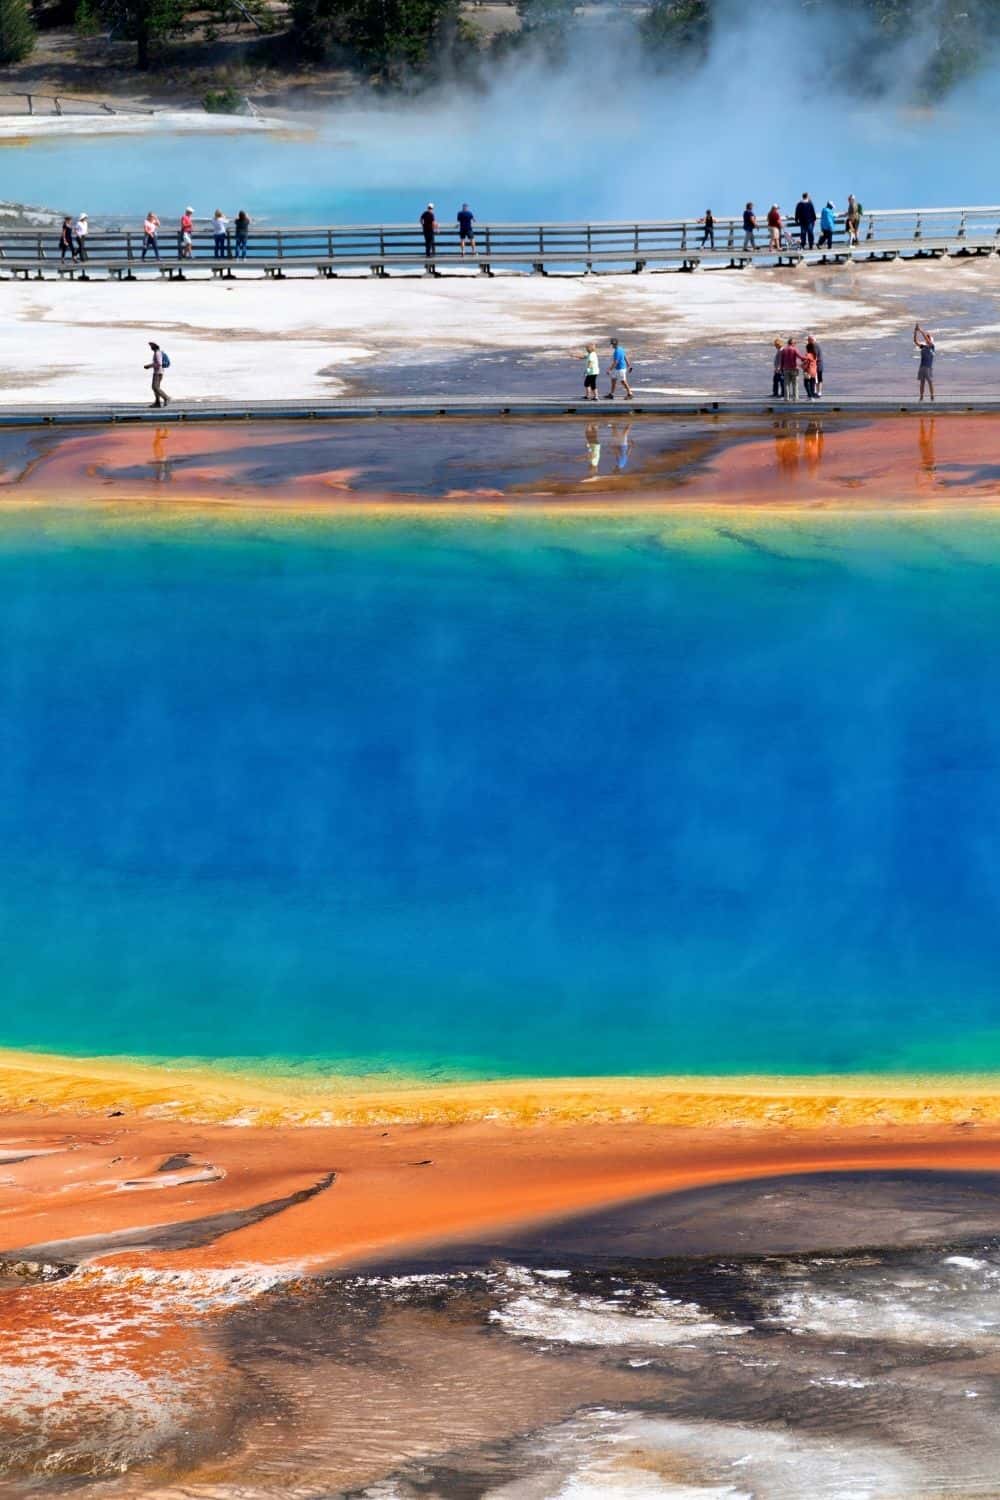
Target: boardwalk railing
<point x="883" y="234"/>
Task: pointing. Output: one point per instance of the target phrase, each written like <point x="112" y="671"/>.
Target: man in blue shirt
<point x="466" y="219"/>
<point x="619" y="369"/>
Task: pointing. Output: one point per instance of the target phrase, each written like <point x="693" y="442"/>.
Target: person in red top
<point x="810" y="367"/>
<point x="184" y="245"/>
<point x="791" y="359"/>
<point x="774" y="226"/>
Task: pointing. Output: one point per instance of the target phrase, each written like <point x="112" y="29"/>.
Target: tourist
<point x="185" y="243"/>
<point x="158" y="364"/>
<point x="80" y="231"/>
<point x="813" y="347"/>
<point x="220" y="233"/>
<point x="749" y="228"/>
<point x="778" y="378"/>
<point x="809" y="368"/>
<point x="619" y="370"/>
<point x="429" y="225"/>
<point x="774" y="226"/>
<point x="466" y="235"/>
<point x="827" y="224"/>
<point x="790" y="361"/>
<point x="708" y="234"/>
<point x="242" y="233"/>
<point x="805" y="218"/>
<point x="591" y="370"/>
<point x="150" y="229"/>
<point x="66" y="245"/>
<point x="852" y="221"/>
<point x="925" y="374"/>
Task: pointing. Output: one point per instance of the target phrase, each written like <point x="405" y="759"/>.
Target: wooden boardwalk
<point x="472" y="407"/>
<point x="574" y="249"/>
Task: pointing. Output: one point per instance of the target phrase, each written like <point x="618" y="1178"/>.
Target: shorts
<point x="590" y="382"/>
<point x="926" y="372"/>
<point x="619" y="372"/>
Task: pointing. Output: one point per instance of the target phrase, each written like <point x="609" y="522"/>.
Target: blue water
<point x="537" y="147"/>
<point x="530" y="796"/>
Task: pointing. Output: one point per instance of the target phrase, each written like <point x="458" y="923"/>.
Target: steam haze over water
<point x="777" y="108"/>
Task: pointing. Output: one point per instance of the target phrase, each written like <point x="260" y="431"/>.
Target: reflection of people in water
<point x="161" y="463"/>
<point x="786" y="449"/>
<point x="621" y="436"/>
<point x="925" y="437"/>
<point x="593" y="441"/>
<point x="812" y="446"/>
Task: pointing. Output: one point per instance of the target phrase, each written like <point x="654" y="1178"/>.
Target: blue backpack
<point x="165" y="357"/>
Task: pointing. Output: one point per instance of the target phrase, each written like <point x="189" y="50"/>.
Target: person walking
<point x="774" y="227"/>
<point x="591" y="370"/>
<point x="66" y="245"/>
<point x="778" y="378"/>
<point x="429" y="225"/>
<point x="925" y="374"/>
<point x="185" y="242"/>
<point x="790" y="361"/>
<point x="749" y="228"/>
<point x="708" y="231"/>
<point x="465" y="219"/>
<point x="80" y="231"/>
<point x="852" y="220"/>
<point x="619" y="370"/>
<point x="805" y="218"/>
<point x="813" y="347"/>
<point x="158" y="364"/>
<point x="827" y="224"/>
<point x="150" y="230"/>
<point x="242" y="233"/>
<point x="220" y="234"/>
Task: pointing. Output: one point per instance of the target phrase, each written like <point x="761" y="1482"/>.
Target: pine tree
<point x="17" y="34"/>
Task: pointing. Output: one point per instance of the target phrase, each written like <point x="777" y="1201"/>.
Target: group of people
<point x="789" y="360"/>
<point x="223" y="250"/>
<point x="465" y="219"/>
<point x="805" y="219"/>
<point x="618" y="370"/>
<point x="73" y="236"/>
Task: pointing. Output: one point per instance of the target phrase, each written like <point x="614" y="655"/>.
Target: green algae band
<point x="503" y="797"/>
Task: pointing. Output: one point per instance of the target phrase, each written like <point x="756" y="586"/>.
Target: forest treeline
<point x="414" y="38"/>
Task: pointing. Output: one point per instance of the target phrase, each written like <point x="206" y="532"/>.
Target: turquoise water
<point x="521" y="796"/>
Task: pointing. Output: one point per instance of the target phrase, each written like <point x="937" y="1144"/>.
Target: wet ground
<point x="835" y="1335"/>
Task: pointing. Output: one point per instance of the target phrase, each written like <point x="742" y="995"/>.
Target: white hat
<point x="83" y="216"/>
<point x="430" y="205"/>
<point x="189" y="210"/>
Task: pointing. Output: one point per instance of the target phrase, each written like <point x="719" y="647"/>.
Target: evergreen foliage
<point x="387" y="35"/>
<point x="17" y="33"/>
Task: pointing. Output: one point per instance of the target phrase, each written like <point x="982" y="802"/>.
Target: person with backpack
<point x="708" y="232"/>
<point x="159" y="363"/>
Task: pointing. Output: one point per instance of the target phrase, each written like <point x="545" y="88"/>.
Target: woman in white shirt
<point x="149" y="232"/>
<point x="220" y="227"/>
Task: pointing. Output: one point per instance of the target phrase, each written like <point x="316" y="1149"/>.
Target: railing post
<point x="31" y="105"/>
<point x="488" y="238"/>
<point x="961" y="227"/>
<point x="871" y="227"/>
<point x="635" y="242"/>
<point x="329" y="243"/>
<point x="381" y="241"/>
<point x="918" y="233"/>
<point x="128" y="245"/>
<point x="684" y="236"/>
<point x="281" y="247"/>
<point x="732" y="233"/>
<point x="541" y="240"/>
